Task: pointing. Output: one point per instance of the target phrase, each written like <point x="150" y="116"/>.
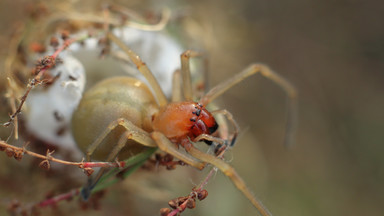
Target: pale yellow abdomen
<point x="109" y="100"/>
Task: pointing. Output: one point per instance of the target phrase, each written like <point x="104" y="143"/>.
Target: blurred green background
<point x="332" y="51"/>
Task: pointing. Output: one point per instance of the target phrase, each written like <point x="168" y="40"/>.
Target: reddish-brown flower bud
<point x="191" y="203"/>
<point x="10" y="152"/>
<point x="88" y="171"/>
<point x="171" y="167"/>
<point x="164" y="211"/>
<point x="54" y="42"/>
<point x="37" y="47"/>
<point x="65" y="35"/>
<point x="202" y="194"/>
<point x="45" y="165"/>
<point x="173" y="203"/>
<point x="180" y="200"/>
<point x="18" y="155"/>
<point x="168" y="158"/>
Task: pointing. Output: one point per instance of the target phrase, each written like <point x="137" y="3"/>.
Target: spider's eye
<point x="204" y="122"/>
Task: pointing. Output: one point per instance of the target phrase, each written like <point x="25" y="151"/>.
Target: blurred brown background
<point x="333" y="52"/>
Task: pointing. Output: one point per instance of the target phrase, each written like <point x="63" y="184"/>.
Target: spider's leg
<point x="132" y="133"/>
<point x="273" y="76"/>
<point x="143" y="68"/>
<point x="231" y="173"/>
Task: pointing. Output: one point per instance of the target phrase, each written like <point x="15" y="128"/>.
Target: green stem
<point x="134" y="162"/>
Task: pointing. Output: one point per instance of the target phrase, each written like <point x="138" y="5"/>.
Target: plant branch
<point x="17" y="153"/>
<point x="41" y="68"/>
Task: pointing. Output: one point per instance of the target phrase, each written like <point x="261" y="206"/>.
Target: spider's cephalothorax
<point x="181" y="120"/>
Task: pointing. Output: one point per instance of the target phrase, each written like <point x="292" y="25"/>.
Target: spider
<point x="123" y="110"/>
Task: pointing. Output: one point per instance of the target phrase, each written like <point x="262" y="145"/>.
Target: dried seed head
<point x="180" y="200"/>
<point x="171" y="167"/>
<point x="24" y="212"/>
<point x="176" y="202"/>
<point x="173" y="203"/>
<point x="43" y="63"/>
<point x="88" y="171"/>
<point x="202" y="194"/>
<point x="13" y="205"/>
<point x="54" y="42"/>
<point x="168" y="158"/>
<point x="37" y="47"/>
<point x="18" y="155"/>
<point x="164" y="211"/>
<point x="65" y="35"/>
<point x="191" y="203"/>
<point x="9" y="152"/>
<point x="45" y="165"/>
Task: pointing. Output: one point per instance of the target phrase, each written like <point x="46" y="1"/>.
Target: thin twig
<point x="54" y="200"/>
<point x="133" y="163"/>
<point x="19" y="152"/>
<point x="197" y="190"/>
<point x="42" y="67"/>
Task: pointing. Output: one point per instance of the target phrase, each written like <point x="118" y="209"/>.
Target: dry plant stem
<point x="54" y="200"/>
<point x="8" y="65"/>
<point x="35" y="81"/>
<point x="46" y="63"/>
<point x="69" y="15"/>
<point x="48" y="157"/>
<point x="12" y="102"/>
<point x="134" y="163"/>
<point x="199" y="188"/>
<point x="183" y="206"/>
<point x="131" y="14"/>
<point x="165" y="16"/>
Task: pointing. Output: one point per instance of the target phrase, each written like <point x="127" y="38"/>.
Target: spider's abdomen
<point x="184" y="119"/>
<point x="107" y="101"/>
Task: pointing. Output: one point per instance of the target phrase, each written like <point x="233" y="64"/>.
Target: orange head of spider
<point x="182" y="120"/>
